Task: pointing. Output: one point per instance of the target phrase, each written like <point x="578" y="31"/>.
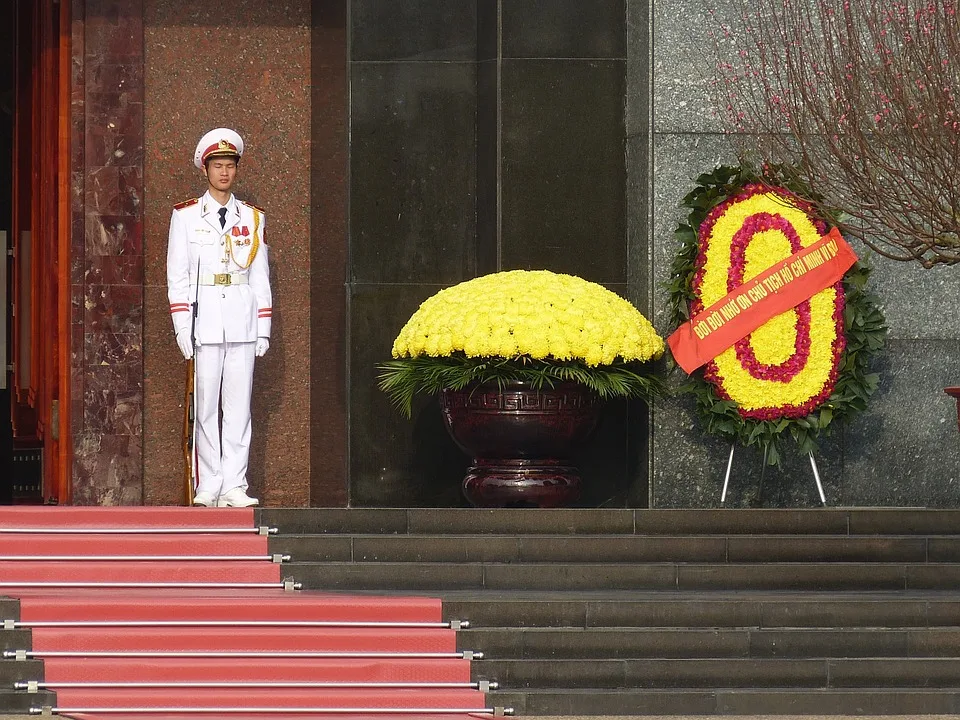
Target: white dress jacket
<point x="234" y="303"/>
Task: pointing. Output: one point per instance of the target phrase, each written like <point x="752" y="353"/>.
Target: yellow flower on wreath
<point x="534" y="313"/>
<point x="773" y="342"/>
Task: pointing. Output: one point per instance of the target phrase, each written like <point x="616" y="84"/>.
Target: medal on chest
<point x="242" y="242"/>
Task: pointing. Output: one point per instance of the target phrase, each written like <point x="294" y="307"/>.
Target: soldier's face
<point x="221" y="172"/>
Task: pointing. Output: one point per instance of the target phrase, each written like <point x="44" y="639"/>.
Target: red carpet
<point x="180" y="545"/>
<point x="140" y="572"/>
<point x="244" y="670"/>
<point x="291" y="698"/>
<point x="130" y="518"/>
<point x="206" y="605"/>
<point x="70" y="566"/>
<point x="268" y="639"/>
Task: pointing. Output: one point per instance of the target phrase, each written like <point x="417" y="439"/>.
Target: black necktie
<point x="223" y="216"/>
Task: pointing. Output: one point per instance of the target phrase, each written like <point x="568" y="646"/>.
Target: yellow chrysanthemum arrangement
<point x="523" y="325"/>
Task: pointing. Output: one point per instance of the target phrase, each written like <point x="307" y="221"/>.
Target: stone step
<point x="9" y="609"/>
<point x="616" y="548"/>
<point x="704" y="610"/>
<point x="586" y="522"/>
<point x="688" y="673"/>
<point x="766" y="701"/>
<point x="20" y="701"/>
<point x="15" y="640"/>
<point x="12" y="671"/>
<point x="437" y="577"/>
<point x="632" y="643"/>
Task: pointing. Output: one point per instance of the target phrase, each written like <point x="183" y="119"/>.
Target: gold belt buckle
<point x="222" y="279"/>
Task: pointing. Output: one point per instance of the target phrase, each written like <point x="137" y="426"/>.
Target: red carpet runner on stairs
<point x="163" y="613"/>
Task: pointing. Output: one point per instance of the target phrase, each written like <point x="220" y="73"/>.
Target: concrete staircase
<point x="669" y="612"/>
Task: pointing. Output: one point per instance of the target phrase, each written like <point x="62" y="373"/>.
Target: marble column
<point x="107" y="252"/>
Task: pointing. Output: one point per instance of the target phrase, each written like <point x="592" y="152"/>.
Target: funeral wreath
<point x="801" y="370"/>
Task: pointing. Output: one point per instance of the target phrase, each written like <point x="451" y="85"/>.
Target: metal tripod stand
<point x="726" y="480"/>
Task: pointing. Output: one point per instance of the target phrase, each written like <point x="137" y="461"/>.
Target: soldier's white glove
<point x="263" y="344"/>
<point x="186" y="345"/>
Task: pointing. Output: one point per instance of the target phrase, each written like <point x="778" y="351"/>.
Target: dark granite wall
<point x="485" y="136"/>
<point x="413" y="76"/>
<point x="107" y="252"/>
<point x="247" y="65"/>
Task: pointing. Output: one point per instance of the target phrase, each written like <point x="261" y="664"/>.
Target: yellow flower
<point x="551" y="315"/>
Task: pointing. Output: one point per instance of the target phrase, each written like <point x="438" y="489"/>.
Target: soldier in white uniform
<point x="217" y="268"/>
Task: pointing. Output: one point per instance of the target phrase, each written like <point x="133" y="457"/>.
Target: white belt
<point x="223" y="279"/>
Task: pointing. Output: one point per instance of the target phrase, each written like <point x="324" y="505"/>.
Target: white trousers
<point x="224" y="375"/>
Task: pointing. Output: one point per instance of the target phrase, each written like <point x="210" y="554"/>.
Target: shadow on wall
<point x="269" y="372"/>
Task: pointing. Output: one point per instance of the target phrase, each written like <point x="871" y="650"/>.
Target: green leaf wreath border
<point x="863" y="322"/>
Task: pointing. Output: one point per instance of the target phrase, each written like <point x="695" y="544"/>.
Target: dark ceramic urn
<point x="521" y="440"/>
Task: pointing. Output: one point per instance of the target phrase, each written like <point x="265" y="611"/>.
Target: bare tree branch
<point x="861" y="97"/>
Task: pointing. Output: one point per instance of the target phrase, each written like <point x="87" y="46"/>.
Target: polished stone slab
<point x="905" y="449"/>
<point x="422" y="30"/>
<point x="563" y="29"/>
<point x="394" y="461"/>
<point x="685" y="99"/>
<point x="563" y="176"/>
<point x="413" y="172"/>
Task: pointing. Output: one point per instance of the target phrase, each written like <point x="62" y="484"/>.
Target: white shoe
<point x="205" y="499"/>
<point x="236" y="498"/>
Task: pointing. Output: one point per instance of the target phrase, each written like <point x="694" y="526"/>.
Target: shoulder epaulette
<point x="254" y="207"/>
<point x="186" y="203"/>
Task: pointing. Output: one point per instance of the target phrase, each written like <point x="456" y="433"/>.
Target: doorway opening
<point x="34" y="257"/>
<point x="21" y="455"/>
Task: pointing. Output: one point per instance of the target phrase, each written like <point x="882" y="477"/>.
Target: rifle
<point x="189" y="420"/>
<point x="190" y="405"/>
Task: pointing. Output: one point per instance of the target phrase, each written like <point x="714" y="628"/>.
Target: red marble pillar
<point x="107" y="252"/>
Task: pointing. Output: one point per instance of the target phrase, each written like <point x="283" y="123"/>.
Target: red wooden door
<point x="41" y="234"/>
